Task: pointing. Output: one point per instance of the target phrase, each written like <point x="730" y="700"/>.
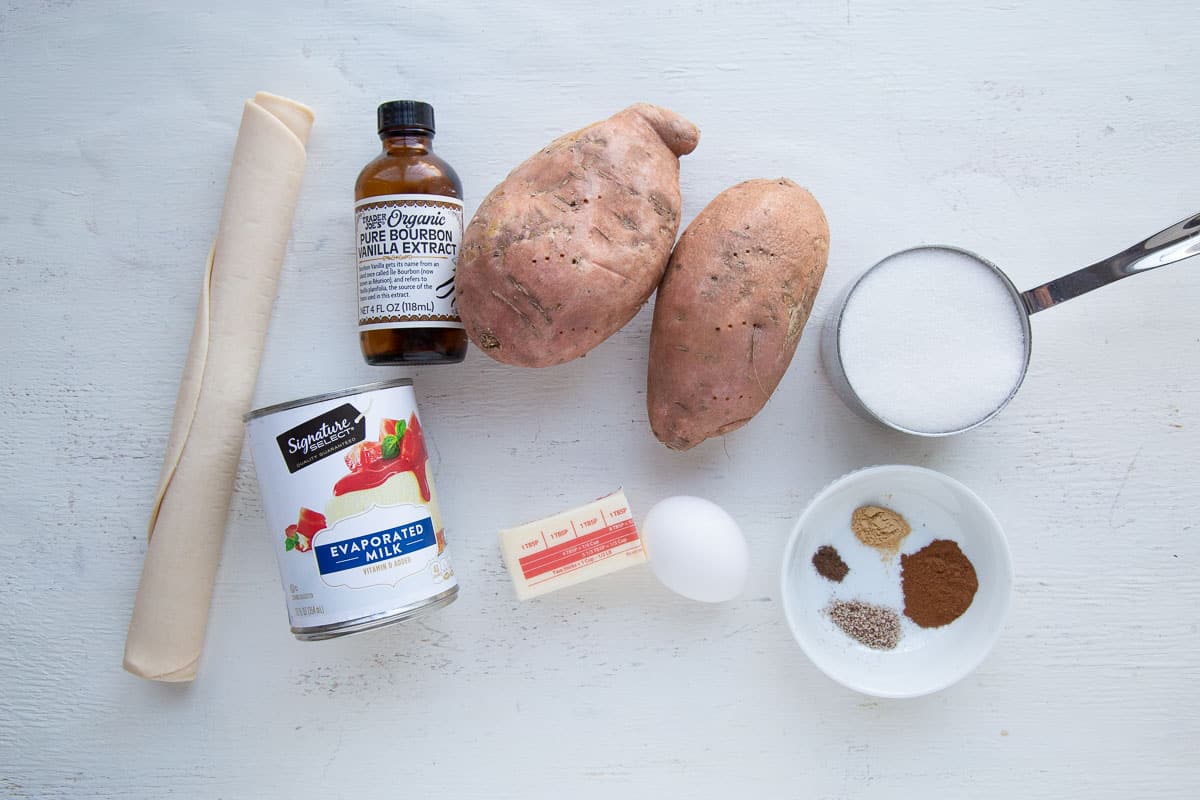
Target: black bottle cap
<point x="399" y="115"/>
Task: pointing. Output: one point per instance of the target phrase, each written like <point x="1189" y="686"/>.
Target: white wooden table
<point x="1042" y="137"/>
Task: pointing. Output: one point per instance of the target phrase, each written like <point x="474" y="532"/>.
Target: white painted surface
<point x="1041" y="135"/>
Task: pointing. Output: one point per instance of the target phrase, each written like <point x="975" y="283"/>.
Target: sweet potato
<point x="737" y="292"/>
<point x="565" y="251"/>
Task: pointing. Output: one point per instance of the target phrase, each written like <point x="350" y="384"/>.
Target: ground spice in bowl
<point x="879" y="527"/>
<point x="939" y="583"/>
<point x="877" y="627"/>
<point x="828" y="563"/>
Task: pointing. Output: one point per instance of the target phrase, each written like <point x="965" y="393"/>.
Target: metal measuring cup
<point x="1180" y="241"/>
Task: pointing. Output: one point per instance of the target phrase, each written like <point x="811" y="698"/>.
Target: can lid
<point x="318" y="398"/>
<point x="398" y="115"/>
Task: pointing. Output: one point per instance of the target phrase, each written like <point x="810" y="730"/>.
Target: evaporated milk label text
<point x="407" y="252"/>
<point x="391" y="545"/>
<point x="322" y="436"/>
<point x="375" y="548"/>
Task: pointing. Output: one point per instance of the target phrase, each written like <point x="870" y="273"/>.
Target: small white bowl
<point x="927" y="659"/>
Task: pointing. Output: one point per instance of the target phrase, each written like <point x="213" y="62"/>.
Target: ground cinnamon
<point x="939" y="583"/>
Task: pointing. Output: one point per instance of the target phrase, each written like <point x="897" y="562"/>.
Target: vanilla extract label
<point x="407" y="253"/>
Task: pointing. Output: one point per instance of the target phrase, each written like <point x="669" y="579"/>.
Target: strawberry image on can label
<point x="299" y="536"/>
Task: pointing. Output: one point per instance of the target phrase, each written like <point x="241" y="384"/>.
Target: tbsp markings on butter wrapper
<point x="351" y="509"/>
<point x="572" y="547"/>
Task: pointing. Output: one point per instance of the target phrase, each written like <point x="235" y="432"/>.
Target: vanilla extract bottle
<point x="408" y="215"/>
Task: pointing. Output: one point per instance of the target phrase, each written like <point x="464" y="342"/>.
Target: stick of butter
<point x="572" y="547"/>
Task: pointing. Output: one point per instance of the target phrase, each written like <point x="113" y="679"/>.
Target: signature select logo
<point x="322" y="436"/>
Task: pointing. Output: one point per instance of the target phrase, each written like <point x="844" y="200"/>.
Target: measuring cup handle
<point x="1180" y="241"/>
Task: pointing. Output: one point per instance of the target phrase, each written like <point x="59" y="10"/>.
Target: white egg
<point x="696" y="549"/>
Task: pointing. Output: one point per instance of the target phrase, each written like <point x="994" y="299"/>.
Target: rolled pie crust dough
<point x="187" y="523"/>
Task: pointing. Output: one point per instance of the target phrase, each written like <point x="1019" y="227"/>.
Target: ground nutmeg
<point x="878" y="627"/>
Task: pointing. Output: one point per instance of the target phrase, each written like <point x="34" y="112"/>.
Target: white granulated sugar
<point x="932" y="340"/>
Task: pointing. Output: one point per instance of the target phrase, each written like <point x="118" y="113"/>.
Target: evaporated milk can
<point x="351" y="509"/>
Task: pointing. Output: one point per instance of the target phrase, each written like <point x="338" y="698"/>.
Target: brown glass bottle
<point x="408" y="220"/>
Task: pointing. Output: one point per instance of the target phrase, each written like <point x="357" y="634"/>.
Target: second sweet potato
<point x="737" y="292"/>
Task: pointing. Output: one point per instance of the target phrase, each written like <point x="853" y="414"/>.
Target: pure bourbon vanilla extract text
<point x="408" y="227"/>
